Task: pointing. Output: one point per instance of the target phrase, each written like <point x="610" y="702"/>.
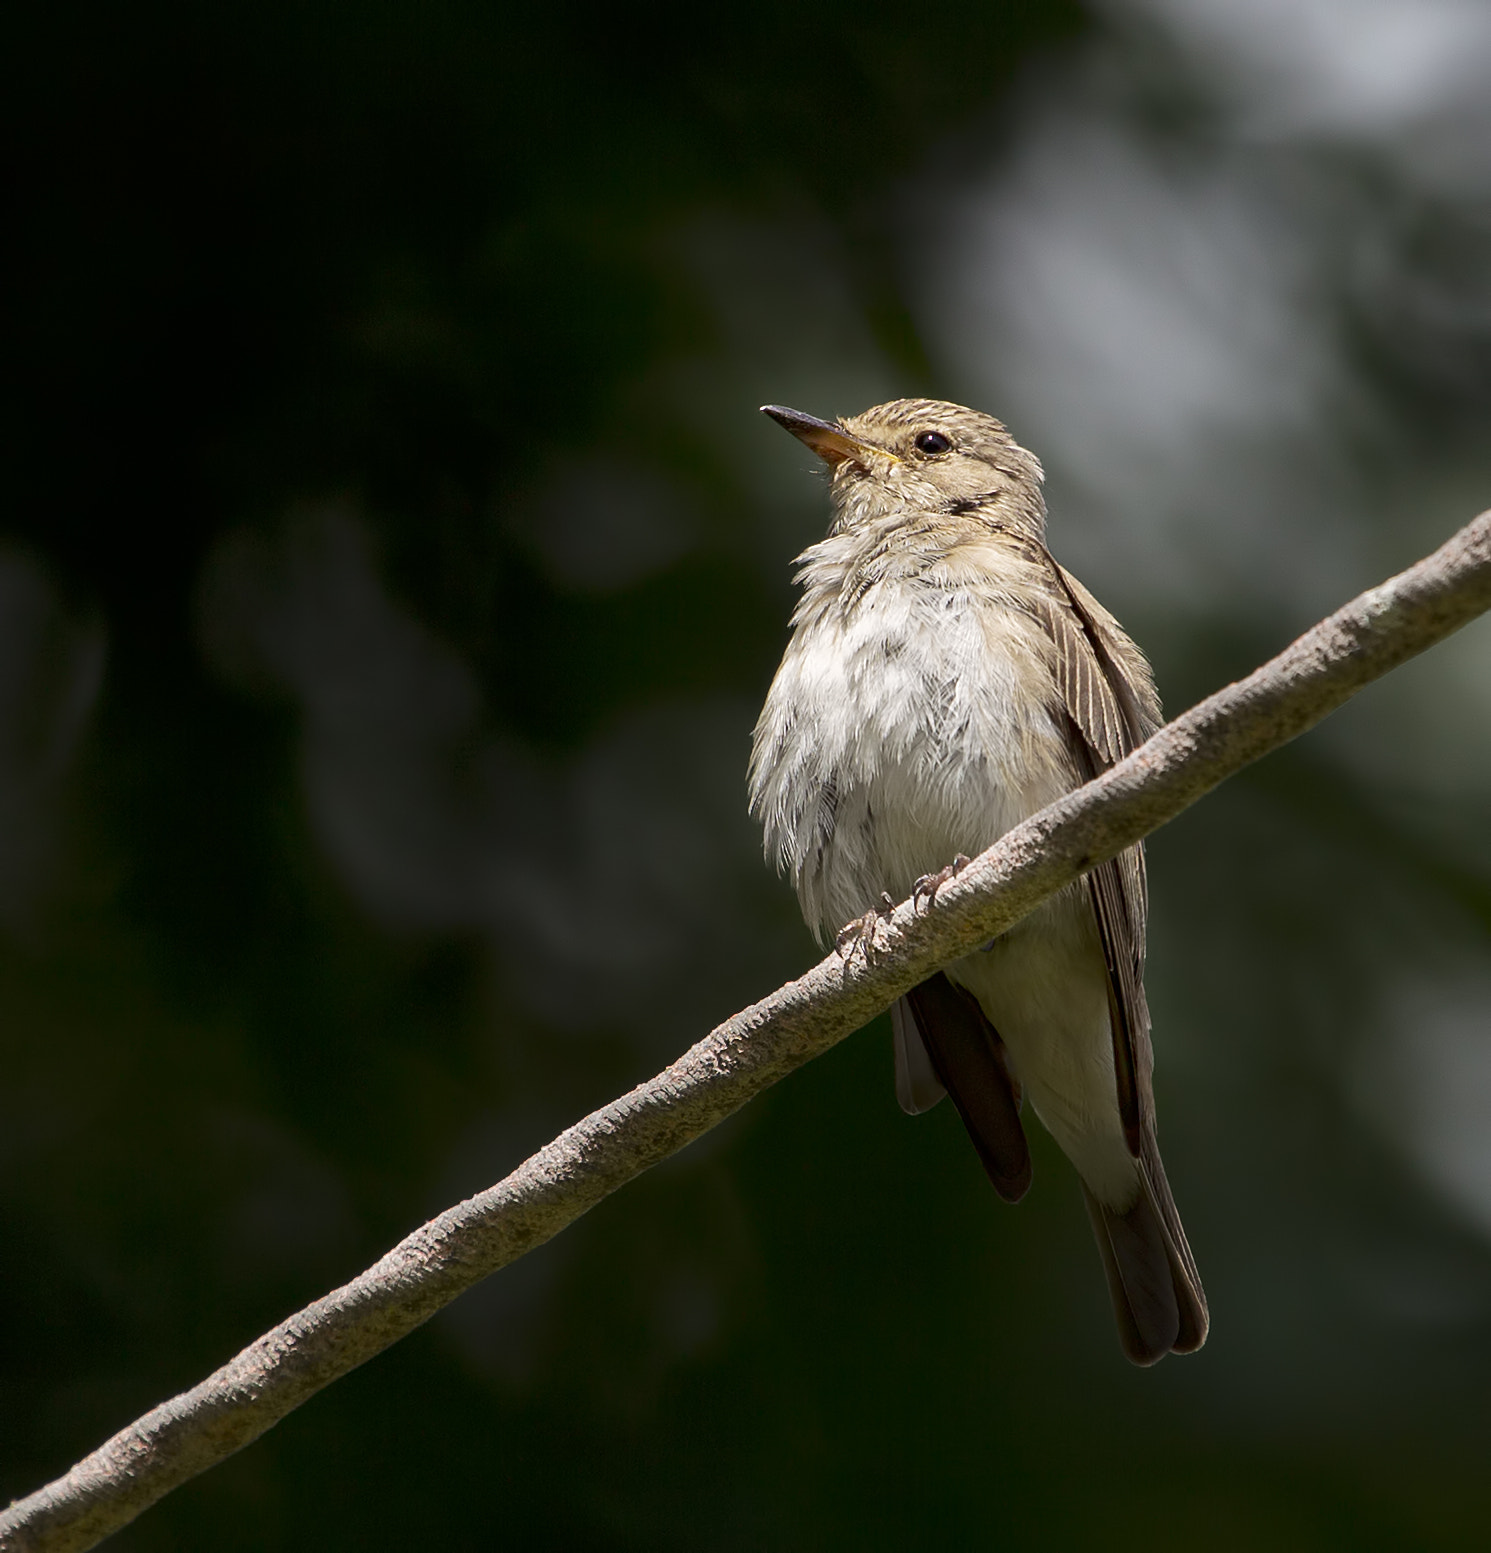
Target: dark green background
<point x="372" y="807"/>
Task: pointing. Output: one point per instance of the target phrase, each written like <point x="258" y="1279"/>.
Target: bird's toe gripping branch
<point x="860" y="934"/>
<point x="926" y="888"/>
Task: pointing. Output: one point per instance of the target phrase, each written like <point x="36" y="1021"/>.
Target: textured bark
<point x="751" y="1051"/>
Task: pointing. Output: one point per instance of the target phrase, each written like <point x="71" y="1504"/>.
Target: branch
<point x="748" y="1053"/>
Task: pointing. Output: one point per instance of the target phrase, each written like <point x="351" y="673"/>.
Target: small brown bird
<point x="945" y="679"/>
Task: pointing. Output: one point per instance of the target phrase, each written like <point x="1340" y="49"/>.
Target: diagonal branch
<point x="746" y="1054"/>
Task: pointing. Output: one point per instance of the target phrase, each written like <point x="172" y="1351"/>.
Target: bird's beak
<point x="831" y="443"/>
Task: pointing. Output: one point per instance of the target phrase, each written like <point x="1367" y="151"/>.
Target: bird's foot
<point x="860" y="934"/>
<point x="926" y="888"/>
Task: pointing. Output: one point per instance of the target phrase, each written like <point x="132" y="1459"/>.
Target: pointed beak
<point x="831" y="443"/>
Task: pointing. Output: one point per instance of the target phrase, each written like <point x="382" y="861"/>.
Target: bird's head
<point x="924" y="456"/>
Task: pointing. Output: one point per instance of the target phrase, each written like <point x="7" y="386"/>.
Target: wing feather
<point x="1111" y="707"/>
<point x="968" y="1059"/>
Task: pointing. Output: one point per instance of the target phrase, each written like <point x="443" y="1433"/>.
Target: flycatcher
<point x="945" y="679"/>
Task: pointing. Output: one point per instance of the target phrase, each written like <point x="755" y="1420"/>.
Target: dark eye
<point x="932" y="442"/>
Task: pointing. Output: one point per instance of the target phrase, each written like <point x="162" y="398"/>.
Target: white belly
<point x="905" y="731"/>
<point x="1044" y="988"/>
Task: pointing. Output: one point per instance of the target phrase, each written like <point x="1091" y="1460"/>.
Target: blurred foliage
<point x="392" y="564"/>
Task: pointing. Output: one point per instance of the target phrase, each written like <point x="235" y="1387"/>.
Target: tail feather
<point x="1195" y="1318"/>
<point x="1158" y="1301"/>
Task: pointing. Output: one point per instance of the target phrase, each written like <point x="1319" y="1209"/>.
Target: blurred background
<point x="392" y="563"/>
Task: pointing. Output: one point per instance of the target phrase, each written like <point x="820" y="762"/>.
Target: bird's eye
<point x="932" y="442"/>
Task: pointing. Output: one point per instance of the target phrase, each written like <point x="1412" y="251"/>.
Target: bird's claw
<point x="926" y="888"/>
<point x="860" y="934"/>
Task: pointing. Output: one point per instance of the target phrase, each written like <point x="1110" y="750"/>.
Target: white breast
<point x="907" y="723"/>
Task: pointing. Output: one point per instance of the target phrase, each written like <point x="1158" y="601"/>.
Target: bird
<point x="944" y="679"/>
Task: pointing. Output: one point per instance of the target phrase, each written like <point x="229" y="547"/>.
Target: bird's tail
<point x="1158" y="1300"/>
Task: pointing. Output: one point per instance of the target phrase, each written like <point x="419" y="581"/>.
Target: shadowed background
<point x="392" y="564"/>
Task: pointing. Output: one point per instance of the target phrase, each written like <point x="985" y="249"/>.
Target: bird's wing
<point x="1105" y="679"/>
<point x="1111" y="706"/>
<point x="940" y="1024"/>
